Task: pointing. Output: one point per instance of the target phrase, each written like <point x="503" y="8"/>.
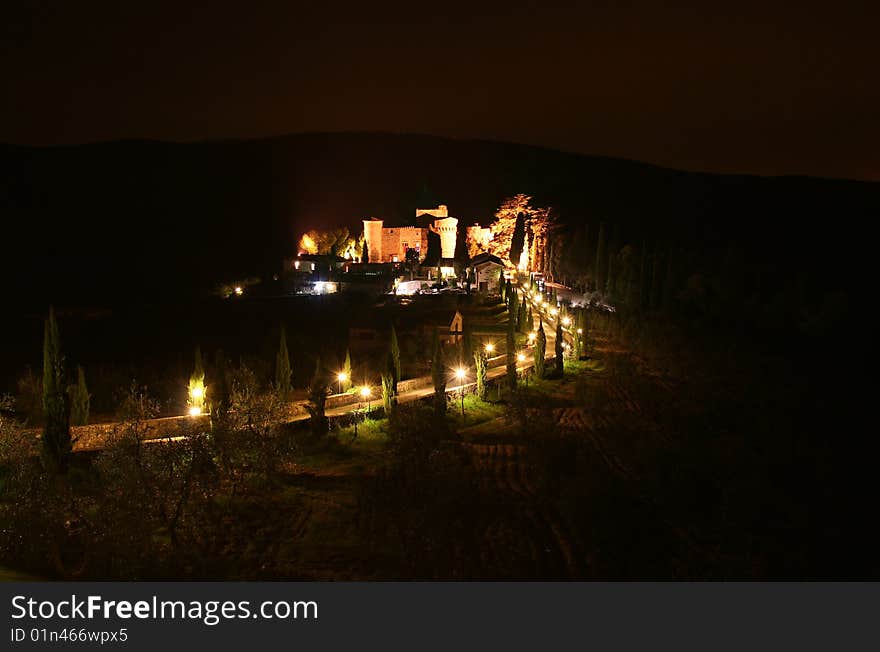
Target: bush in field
<point x="29" y="397"/>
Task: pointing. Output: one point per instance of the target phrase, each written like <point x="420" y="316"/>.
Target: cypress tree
<point x="481" y="366"/>
<point x="518" y="240"/>
<point x="521" y="317"/>
<point x="558" y="348"/>
<point x="79" y="400"/>
<point x="530" y="322"/>
<point x="387" y="391"/>
<point x="56" y="441"/>
<point x="365" y="253"/>
<point x="394" y="350"/>
<point x="540" y="350"/>
<point x="511" y="354"/>
<point x="318" y="400"/>
<point x="579" y="334"/>
<point x="346" y="369"/>
<point x="438" y="375"/>
<point x="197" y="390"/>
<point x="283" y="372"/>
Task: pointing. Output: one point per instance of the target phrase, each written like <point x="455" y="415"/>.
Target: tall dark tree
<point x="317" y="402"/>
<point x="365" y="253"/>
<point x="346" y="369"/>
<point x="438" y="375"/>
<point x="518" y="239"/>
<point x="79" y="399"/>
<point x="387" y="391"/>
<point x="540" y="350"/>
<point x="481" y="366"/>
<point x="394" y="351"/>
<point x="511" y="353"/>
<point x="57" y="445"/>
<point x="558" y="348"/>
<point x="521" y="317"/>
<point x="283" y="372"/>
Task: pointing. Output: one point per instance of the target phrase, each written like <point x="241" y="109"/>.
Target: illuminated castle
<point x="390" y="243"/>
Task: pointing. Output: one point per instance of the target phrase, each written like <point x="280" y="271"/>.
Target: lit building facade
<point x="389" y="244"/>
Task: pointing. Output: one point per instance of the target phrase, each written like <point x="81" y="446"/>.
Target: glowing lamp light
<point x="521" y="357"/>
<point x="195" y="411"/>
<point x="566" y="321"/>
<point x="532" y="337"/>
<point x="238" y="290"/>
<point x="342" y="376"/>
<point x="554" y="311"/>
<point x="460" y="373"/>
<point x="365" y="392"/>
<point x="580" y="331"/>
<point x="490" y="347"/>
<point x="198" y="393"/>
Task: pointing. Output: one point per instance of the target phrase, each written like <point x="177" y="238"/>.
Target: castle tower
<point x="373" y="237"/>
<point x="447" y="228"/>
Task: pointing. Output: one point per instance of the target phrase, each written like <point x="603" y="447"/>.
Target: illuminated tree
<point x="540" y="350"/>
<point x="79" y="400"/>
<point x="346" y="370"/>
<point x="517" y="241"/>
<point x="197" y="391"/>
<point x="517" y="220"/>
<point x="330" y="242"/>
<point x="57" y="445"/>
<point x="283" y="371"/>
<point x="481" y="365"/>
<point x="558" y="348"/>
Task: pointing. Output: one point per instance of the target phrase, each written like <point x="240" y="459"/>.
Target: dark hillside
<point x="109" y="223"/>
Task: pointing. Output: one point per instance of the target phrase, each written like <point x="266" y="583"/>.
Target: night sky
<point x="747" y="88"/>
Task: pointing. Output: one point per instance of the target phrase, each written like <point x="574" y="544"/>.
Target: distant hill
<point x="113" y="222"/>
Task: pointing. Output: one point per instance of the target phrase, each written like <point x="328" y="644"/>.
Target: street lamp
<point x="341" y="377"/>
<point x="566" y="321"/>
<point x="490" y="348"/>
<point x="460" y="374"/>
<point x="365" y="396"/>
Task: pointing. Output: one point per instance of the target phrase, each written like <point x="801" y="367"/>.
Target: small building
<point x="487" y="271"/>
